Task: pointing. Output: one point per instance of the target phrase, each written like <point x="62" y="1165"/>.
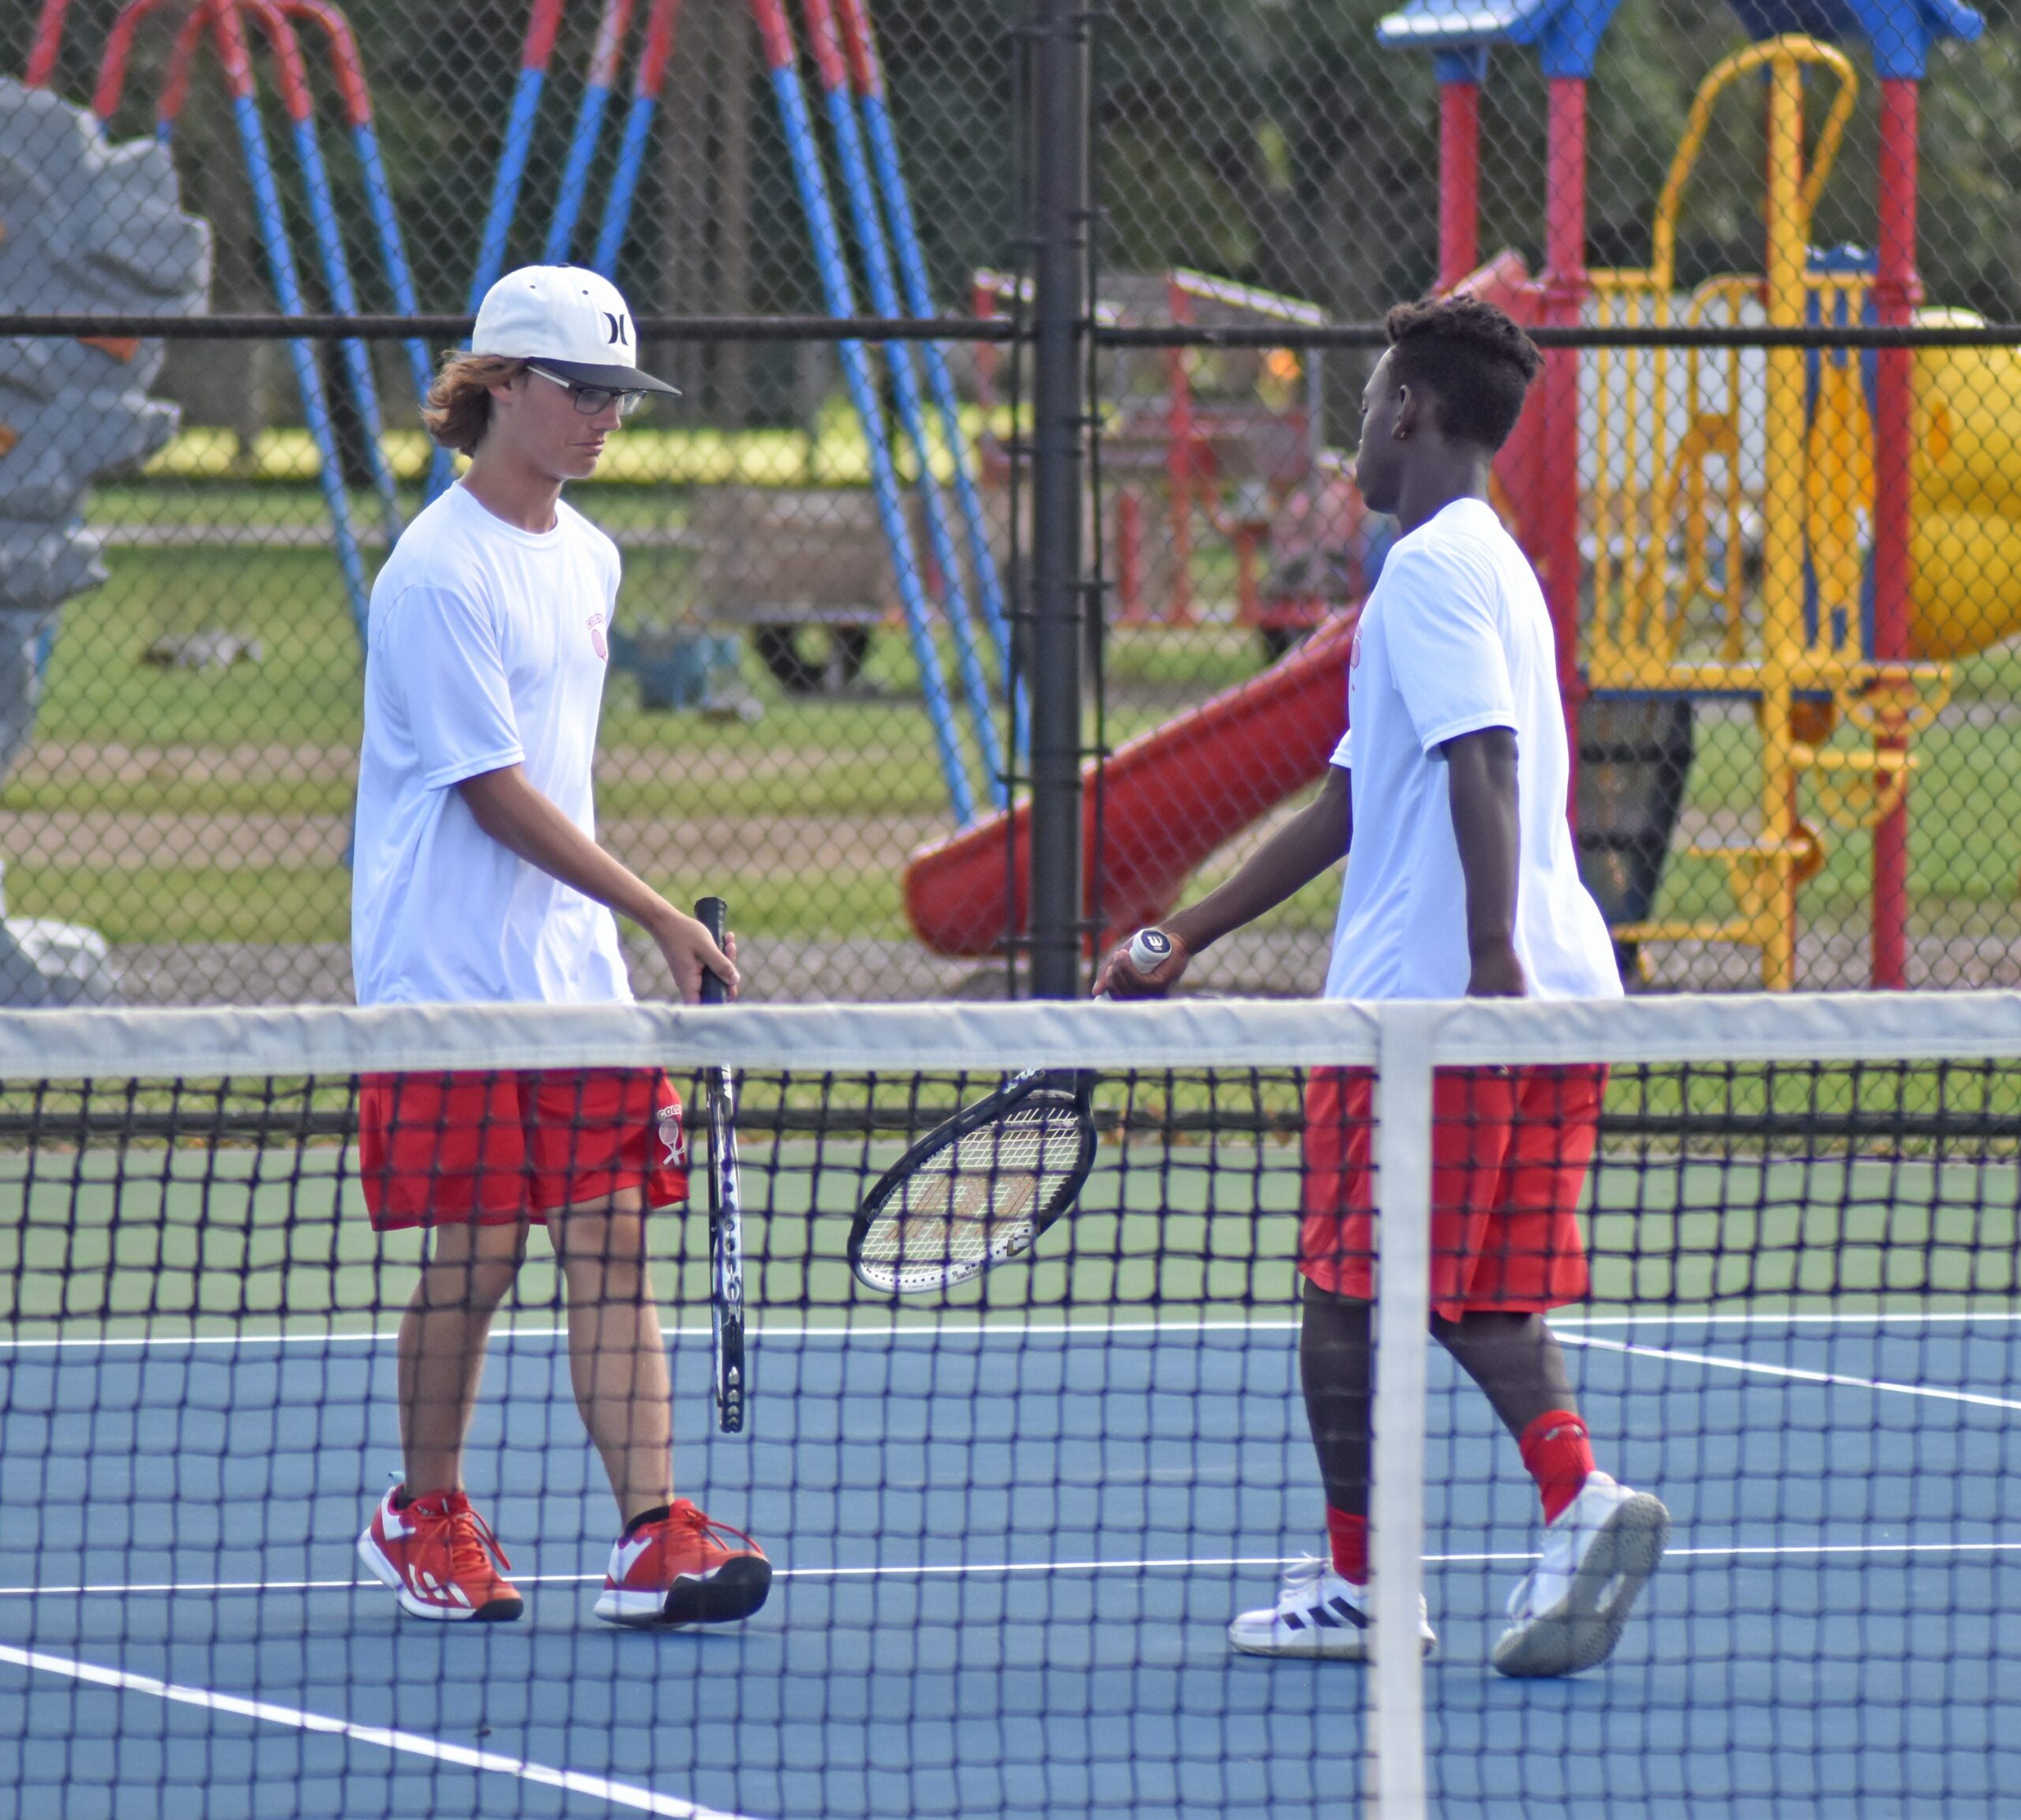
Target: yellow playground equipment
<point x="1696" y="457"/>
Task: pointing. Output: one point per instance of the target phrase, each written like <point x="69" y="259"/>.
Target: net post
<point x="1396" y="1782"/>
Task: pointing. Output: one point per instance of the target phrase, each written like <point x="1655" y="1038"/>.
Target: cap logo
<point x="617" y="335"/>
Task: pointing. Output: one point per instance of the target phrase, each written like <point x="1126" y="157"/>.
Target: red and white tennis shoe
<point x="679" y="1569"/>
<point x="437" y="1554"/>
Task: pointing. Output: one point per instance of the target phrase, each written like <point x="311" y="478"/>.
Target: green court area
<point x="150" y="1238"/>
<point x="182" y="1239"/>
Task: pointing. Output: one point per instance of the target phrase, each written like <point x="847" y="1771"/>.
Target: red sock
<point x="1559" y="1454"/>
<point x="1349" y="1536"/>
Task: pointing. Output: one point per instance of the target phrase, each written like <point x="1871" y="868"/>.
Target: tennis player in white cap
<point x="477" y="877"/>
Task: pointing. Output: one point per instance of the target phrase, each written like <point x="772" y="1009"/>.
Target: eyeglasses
<point x="593" y="401"/>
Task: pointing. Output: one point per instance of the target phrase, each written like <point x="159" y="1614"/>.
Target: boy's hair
<point x="1472" y="358"/>
<point x="458" y="412"/>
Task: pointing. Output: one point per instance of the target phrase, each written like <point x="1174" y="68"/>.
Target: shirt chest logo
<point x="596" y="638"/>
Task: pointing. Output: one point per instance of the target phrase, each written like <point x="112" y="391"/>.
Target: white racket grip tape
<point x="1149" y="950"/>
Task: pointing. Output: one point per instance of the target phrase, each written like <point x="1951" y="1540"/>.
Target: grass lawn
<point x="833" y="454"/>
<point x="165" y="804"/>
<point x="159" y="804"/>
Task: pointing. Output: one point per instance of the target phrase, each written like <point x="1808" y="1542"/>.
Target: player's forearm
<point x="1481" y="786"/>
<point x="519" y="817"/>
<point x="1315" y="838"/>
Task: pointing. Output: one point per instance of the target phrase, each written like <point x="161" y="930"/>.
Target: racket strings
<point x="981" y="1197"/>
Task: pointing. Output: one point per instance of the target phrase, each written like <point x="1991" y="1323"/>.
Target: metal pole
<point x="860" y="187"/>
<point x="605" y="58"/>
<point x="348" y="67"/>
<point x="1059" y="181"/>
<point x="292" y="76"/>
<point x="541" y="29"/>
<point x="867" y="73"/>
<point x="1460" y="75"/>
<point x="1565" y="290"/>
<point x="647" y="81"/>
<point x="838" y="290"/>
<point x="1896" y="293"/>
<point x="48" y="42"/>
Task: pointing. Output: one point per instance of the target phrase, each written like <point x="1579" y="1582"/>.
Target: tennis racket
<point x="726" y="1206"/>
<point x="981" y="1188"/>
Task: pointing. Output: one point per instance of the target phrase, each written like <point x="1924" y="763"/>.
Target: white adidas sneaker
<point x="1318" y="1613"/>
<point x="1568" y="1612"/>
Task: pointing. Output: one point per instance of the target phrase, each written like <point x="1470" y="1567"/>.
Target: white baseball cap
<point x="571" y="320"/>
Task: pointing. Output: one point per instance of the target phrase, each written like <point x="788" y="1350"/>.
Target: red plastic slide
<point x="1169" y="797"/>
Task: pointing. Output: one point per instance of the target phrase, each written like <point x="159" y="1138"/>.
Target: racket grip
<point x="1149" y="950"/>
<point x="712" y="915"/>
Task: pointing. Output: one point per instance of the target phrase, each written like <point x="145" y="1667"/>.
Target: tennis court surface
<point x="1010" y="1522"/>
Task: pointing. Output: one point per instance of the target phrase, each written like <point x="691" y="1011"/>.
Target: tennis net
<point x="1009" y="1523"/>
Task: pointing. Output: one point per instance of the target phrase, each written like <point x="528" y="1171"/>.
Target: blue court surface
<point x="1008" y="1553"/>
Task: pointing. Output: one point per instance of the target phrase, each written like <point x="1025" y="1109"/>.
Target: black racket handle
<point x="712" y="915"/>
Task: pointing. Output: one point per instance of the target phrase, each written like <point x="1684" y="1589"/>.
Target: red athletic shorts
<point x="500" y="1147"/>
<point x="1509" y="1151"/>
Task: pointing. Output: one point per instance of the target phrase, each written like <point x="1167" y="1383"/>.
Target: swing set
<point x="887" y="253"/>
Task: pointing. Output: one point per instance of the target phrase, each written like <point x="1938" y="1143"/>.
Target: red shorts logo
<point x="596" y="638"/>
<point x="671" y="1139"/>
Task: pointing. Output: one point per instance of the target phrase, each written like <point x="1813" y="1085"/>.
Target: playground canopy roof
<point x="1154" y="299"/>
<point x="1567" y="33"/>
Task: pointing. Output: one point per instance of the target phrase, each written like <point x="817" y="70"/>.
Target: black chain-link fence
<point x="1787" y="577"/>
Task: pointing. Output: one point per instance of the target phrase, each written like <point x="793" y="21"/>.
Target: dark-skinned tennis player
<point x="1447" y="798"/>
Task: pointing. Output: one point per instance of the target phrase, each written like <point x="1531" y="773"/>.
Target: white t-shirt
<point x="487" y="648"/>
<point x="1455" y="638"/>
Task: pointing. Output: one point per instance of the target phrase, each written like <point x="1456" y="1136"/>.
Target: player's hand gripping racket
<point x="980" y="1189"/>
<point x="725" y="1204"/>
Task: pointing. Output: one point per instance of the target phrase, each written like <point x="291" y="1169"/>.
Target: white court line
<point x="776" y="1332"/>
<point x="407" y="1743"/>
<point x="1158" y="1564"/>
<point x="1755" y="1368"/>
<point x="895" y="1571"/>
<point x="1754" y="1551"/>
<point x="1868" y="1317"/>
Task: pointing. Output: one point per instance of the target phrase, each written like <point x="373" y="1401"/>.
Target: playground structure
<point x="90" y="226"/>
<point x="1228" y="439"/>
<point x="887" y="250"/>
<point x="844" y="58"/>
<point x="1163" y="802"/>
<point x="1654" y="461"/>
<point x="224" y="25"/>
<point x="1808" y="533"/>
<point x="1888" y="542"/>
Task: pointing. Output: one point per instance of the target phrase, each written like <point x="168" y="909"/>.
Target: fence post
<point x="1059" y="173"/>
